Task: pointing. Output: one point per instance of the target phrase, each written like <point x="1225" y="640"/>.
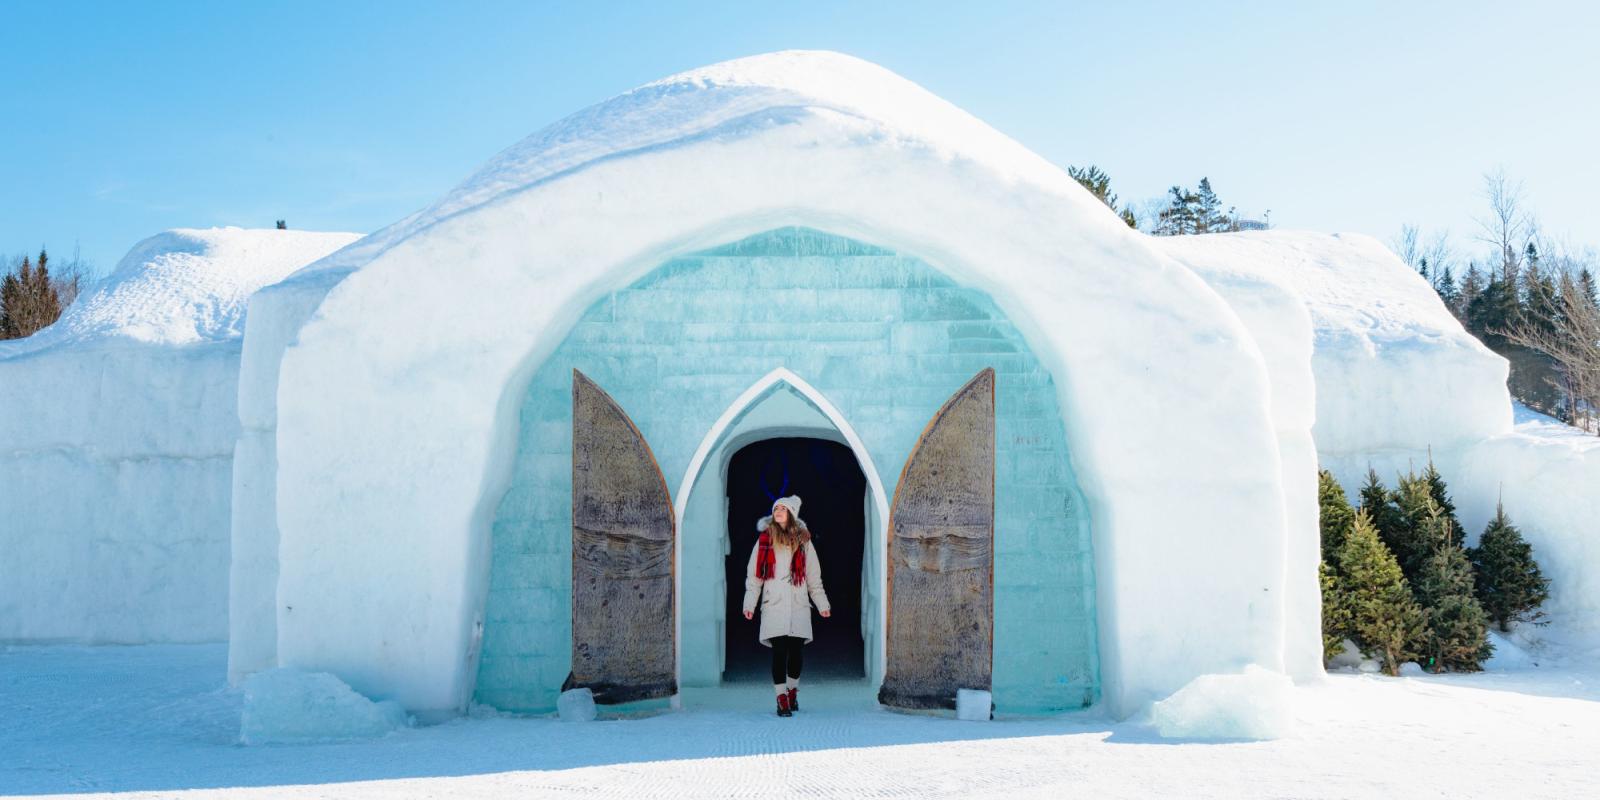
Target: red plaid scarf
<point x="767" y="559"/>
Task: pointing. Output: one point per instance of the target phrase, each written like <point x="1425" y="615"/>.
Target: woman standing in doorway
<point x="785" y="576"/>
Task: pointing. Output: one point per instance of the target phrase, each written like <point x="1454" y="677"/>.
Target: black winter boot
<point x="783" y="706"/>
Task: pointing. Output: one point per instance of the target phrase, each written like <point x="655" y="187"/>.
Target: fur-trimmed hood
<point x="805" y="532"/>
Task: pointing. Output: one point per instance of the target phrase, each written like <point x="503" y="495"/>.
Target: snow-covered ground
<point x="157" y="720"/>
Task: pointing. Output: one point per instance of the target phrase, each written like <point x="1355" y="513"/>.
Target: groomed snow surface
<point x="155" y="720"/>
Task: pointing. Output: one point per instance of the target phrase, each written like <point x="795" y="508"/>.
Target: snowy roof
<point x="182" y="287"/>
<point x="731" y="100"/>
<point x="1382" y="338"/>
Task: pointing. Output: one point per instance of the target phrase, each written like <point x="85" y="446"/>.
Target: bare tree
<point x="1407" y="244"/>
<point x="1508" y="223"/>
<point x="1574" y="344"/>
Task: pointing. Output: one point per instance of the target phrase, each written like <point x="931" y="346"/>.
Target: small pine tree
<point x="1181" y="216"/>
<point x="1209" y="217"/>
<point x="1335" y="513"/>
<point x="1099" y="184"/>
<point x="1509" y="583"/>
<point x="1383" y="616"/>
<point x="283" y="225"/>
<point x="1441" y="497"/>
<point x="1455" y="634"/>
<point x="1410" y="538"/>
<point x="1336" y="616"/>
<point x="1471" y="287"/>
<point x="1586" y="284"/>
<point x="1391" y="522"/>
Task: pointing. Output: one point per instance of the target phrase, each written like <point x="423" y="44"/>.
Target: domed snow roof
<point x="183" y="286"/>
<point x="731" y="100"/>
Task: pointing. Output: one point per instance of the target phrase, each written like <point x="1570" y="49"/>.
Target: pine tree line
<point x="1539" y="310"/>
<point x="1181" y="212"/>
<point x="31" y="298"/>
<point x="1398" y="580"/>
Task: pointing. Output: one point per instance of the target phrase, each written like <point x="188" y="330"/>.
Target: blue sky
<point x="124" y="119"/>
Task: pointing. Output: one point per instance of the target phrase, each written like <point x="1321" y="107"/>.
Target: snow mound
<point x="1382" y="340"/>
<point x="1256" y="704"/>
<point x="184" y="286"/>
<point x="291" y="706"/>
<point x="117" y="418"/>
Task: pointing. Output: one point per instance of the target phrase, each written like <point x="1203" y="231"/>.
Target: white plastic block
<point x="974" y="704"/>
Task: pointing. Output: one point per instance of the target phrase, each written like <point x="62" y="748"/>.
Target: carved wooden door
<point x="941" y="557"/>
<point x="623" y="644"/>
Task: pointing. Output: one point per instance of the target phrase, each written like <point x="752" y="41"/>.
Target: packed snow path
<point x="154" y="720"/>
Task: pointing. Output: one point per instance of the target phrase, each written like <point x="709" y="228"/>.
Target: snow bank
<point x="117" y="441"/>
<point x="1394" y="369"/>
<point x="289" y="706"/>
<point x="1256" y="704"/>
<point x="1548" y="476"/>
<point x="396" y="401"/>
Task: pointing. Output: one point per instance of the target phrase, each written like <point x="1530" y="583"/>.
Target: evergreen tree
<point x="1587" y="285"/>
<point x="1209" y="216"/>
<point x="28" y="299"/>
<point x="1336" y="617"/>
<point x="1509" y="584"/>
<point x="1455" y="634"/>
<point x="1441" y="497"/>
<point x="1383" y="617"/>
<point x="1336" y="515"/>
<point x="1540" y="303"/>
<point x="1448" y="292"/>
<point x="1099" y="184"/>
<point x="1382" y="508"/>
<point x="1181" y="216"/>
<point x="1408" y="537"/>
<point x="1493" y="311"/>
<point x="1471" y="287"/>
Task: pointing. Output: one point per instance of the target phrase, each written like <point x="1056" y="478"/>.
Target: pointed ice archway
<point x="717" y="437"/>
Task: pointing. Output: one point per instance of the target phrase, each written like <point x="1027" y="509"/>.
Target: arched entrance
<point x="870" y="347"/>
<point x="716" y="493"/>
<point x="834" y="493"/>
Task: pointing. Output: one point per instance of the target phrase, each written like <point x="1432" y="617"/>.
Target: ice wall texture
<point x="886" y="339"/>
<point x="397" y="401"/>
<point x="117" y="441"/>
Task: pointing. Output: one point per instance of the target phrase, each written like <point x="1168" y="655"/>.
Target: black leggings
<point x="786" y="657"/>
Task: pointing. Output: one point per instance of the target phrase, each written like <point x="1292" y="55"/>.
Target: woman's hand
<point x="749" y="615"/>
<point x="825" y="614"/>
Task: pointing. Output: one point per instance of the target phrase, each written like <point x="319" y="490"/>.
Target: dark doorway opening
<point x="833" y="491"/>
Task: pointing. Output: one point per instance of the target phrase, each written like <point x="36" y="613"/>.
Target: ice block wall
<point x="887" y="339"/>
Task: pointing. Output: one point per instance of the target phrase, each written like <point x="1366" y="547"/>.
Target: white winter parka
<point x="785" y="607"/>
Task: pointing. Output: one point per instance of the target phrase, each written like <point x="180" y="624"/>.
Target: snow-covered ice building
<point x="117" y="429"/>
<point x="512" y="442"/>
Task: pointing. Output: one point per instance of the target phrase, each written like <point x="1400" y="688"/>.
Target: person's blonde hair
<point x="787" y="535"/>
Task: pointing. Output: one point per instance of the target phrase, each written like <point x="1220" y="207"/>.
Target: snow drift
<point x="290" y="706"/>
<point x="116" y="445"/>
